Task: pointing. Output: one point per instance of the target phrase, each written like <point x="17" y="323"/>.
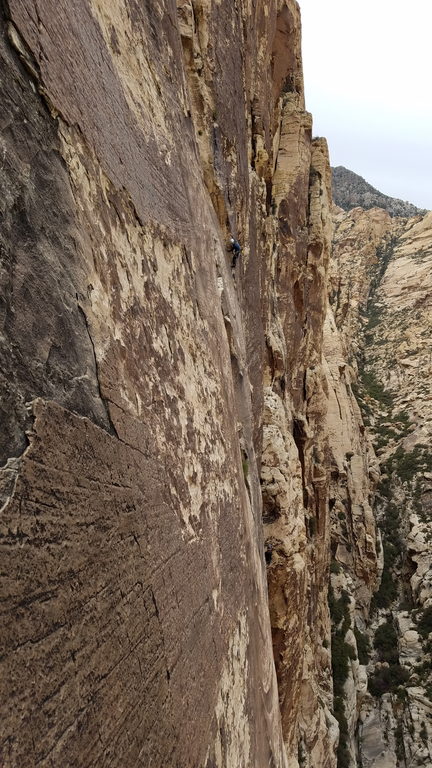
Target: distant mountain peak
<point x="350" y="191"/>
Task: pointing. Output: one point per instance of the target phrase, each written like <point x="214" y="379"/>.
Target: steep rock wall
<point x="158" y="407"/>
<point x="132" y="542"/>
<point x="383" y="299"/>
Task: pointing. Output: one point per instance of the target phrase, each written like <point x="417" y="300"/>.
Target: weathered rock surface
<point x="158" y="408"/>
<point x="133" y="575"/>
<point x="381" y="292"/>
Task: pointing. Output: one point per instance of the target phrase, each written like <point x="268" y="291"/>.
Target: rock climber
<point x="235" y="249"/>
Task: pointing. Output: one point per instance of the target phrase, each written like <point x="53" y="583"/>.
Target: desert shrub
<point x="388" y="588"/>
<point x="391" y="675"/>
<point x="385" y="642"/>
<point x="343" y="757"/>
<point x="387" y="679"/>
<point x="407" y="464"/>
<point x="363" y="647"/>
<point x="375" y="389"/>
<point x="341" y="653"/>
<point x="393" y="548"/>
<point x="425" y="622"/>
<point x="403" y="418"/>
<point x="383" y="488"/>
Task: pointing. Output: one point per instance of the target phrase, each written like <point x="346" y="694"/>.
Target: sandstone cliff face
<point x="382" y="294"/>
<point x="158" y="409"/>
<point x="132" y="544"/>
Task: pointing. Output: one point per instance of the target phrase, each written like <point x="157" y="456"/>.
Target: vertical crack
<point x="104" y="400"/>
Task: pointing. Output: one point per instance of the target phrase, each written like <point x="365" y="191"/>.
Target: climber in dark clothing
<point x="235" y="250"/>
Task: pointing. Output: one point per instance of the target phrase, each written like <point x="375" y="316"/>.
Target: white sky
<point x="368" y="83"/>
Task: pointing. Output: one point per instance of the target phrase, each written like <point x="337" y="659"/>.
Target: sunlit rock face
<point x="183" y="460"/>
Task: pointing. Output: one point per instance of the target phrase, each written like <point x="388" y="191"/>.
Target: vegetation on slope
<point x="351" y="190"/>
<point x="341" y="654"/>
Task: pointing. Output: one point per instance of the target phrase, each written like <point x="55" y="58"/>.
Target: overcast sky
<point x="368" y="83"/>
